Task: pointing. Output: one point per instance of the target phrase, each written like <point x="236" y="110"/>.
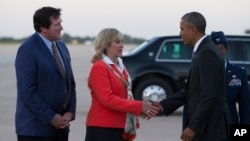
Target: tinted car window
<point x="247" y="44"/>
<point x="238" y="51"/>
<point x="174" y="50"/>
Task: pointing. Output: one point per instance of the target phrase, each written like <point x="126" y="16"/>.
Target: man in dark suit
<point x="46" y="96"/>
<point x="204" y="97"/>
<point x="237" y="88"/>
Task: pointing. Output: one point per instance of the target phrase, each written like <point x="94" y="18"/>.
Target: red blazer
<point x="109" y="97"/>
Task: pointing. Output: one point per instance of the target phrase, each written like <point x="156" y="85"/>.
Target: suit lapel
<point x="122" y="75"/>
<point x="201" y="45"/>
<point x="44" y="49"/>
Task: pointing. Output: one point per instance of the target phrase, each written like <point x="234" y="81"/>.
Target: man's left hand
<point x="188" y="134"/>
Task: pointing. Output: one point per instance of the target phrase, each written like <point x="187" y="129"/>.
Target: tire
<point x="152" y="85"/>
<point x="153" y="88"/>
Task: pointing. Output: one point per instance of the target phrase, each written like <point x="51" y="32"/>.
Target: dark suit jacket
<point x="41" y="89"/>
<point x="237" y="91"/>
<point x="204" y="95"/>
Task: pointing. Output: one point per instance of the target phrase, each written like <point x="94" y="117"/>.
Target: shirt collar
<point x="107" y="60"/>
<point x="47" y="42"/>
<point x="198" y="43"/>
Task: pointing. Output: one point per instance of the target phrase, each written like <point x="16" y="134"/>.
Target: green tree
<point x="6" y="39"/>
<point x="66" y="38"/>
<point x="247" y="31"/>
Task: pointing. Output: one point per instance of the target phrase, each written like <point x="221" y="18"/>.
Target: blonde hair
<point x="103" y="40"/>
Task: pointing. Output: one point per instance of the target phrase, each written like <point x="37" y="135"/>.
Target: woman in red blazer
<point x="113" y="112"/>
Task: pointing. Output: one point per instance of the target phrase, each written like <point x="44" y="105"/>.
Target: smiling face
<point x="53" y="33"/>
<point x="114" y="50"/>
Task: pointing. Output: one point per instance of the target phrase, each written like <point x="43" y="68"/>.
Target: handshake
<point x="150" y="109"/>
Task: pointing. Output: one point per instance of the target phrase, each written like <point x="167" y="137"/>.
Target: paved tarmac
<point x="161" y="128"/>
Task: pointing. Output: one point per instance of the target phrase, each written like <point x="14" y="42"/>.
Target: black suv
<point x="159" y="66"/>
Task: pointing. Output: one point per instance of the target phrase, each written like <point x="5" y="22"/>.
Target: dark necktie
<point x="58" y="60"/>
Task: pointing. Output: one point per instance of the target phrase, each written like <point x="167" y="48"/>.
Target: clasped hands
<point x="61" y="122"/>
<point x="150" y="109"/>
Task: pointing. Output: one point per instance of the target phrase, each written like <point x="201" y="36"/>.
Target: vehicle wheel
<point x="153" y="88"/>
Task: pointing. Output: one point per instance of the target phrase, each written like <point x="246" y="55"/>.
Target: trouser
<point x="60" y="136"/>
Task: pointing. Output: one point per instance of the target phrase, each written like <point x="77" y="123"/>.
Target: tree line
<point x="68" y="39"/>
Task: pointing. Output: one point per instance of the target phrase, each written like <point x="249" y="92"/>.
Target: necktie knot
<point x="54" y="49"/>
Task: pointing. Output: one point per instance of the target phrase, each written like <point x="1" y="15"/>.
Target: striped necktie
<point x="58" y="60"/>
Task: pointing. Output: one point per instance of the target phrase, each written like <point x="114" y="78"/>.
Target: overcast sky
<point x="137" y="18"/>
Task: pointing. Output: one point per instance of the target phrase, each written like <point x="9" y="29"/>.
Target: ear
<point x="43" y="29"/>
<point x="193" y="29"/>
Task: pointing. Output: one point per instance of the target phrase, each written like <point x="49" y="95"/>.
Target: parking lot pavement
<point x="159" y="128"/>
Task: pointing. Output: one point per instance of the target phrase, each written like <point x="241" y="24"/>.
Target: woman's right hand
<point x="149" y="110"/>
